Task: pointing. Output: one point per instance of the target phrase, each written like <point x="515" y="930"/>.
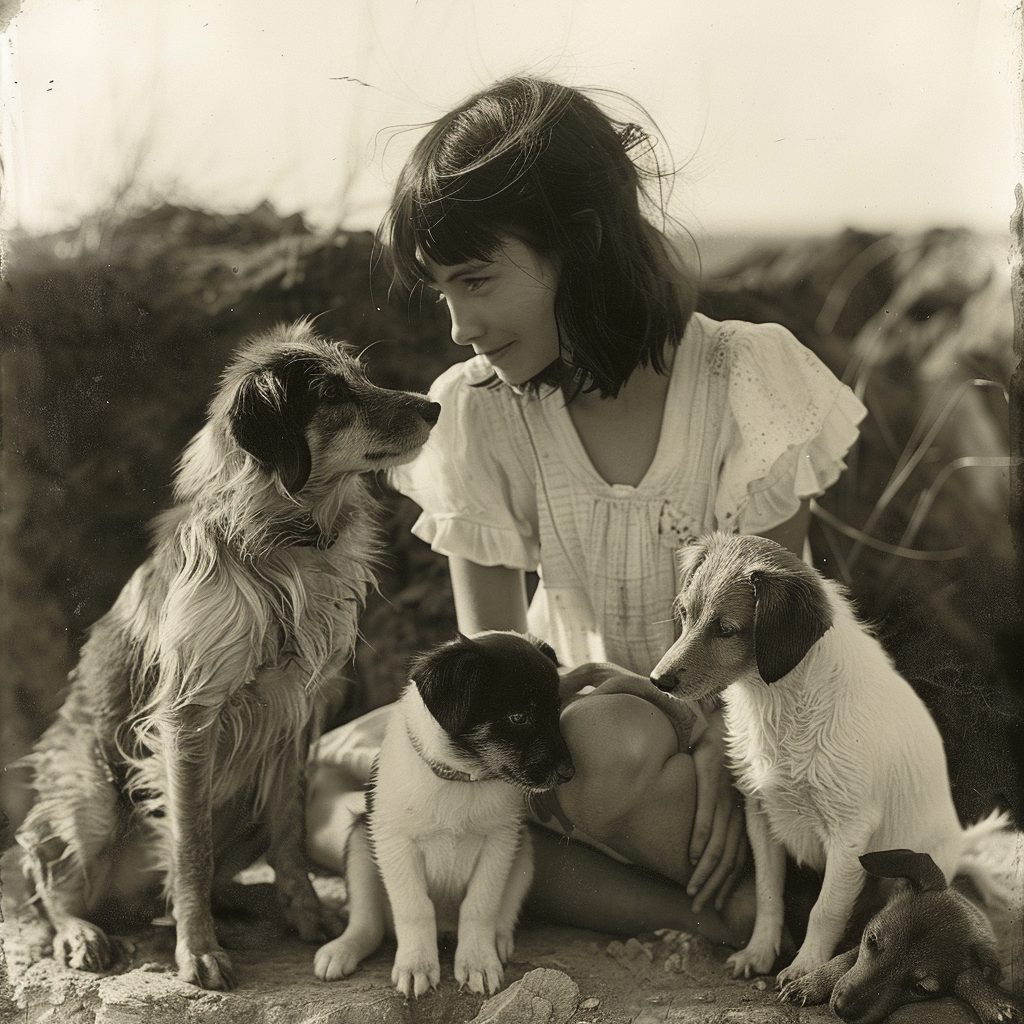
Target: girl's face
<point x="504" y="308"/>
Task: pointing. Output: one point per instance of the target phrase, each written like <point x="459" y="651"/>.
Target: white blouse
<point x="754" y="423"/>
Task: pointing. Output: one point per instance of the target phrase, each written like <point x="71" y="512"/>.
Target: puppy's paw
<point x="416" y="971"/>
<point x="810" y="990"/>
<point x="478" y="966"/>
<point x="209" y="968"/>
<point x="751" y="961"/>
<point x="997" y="1008"/>
<point x="341" y="956"/>
<point x="82" y="945"/>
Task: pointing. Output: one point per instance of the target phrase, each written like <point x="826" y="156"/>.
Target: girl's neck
<point x="620" y="435"/>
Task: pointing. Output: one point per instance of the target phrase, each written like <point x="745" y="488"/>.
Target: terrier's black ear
<point x="917" y="868"/>
<point x="446" y="677"/>
<point x="269" y="418"/>
<point x="791" y="614"/>
<point x="544" y="647"/>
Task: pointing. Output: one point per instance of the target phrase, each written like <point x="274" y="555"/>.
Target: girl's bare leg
<point x="576" y="885"/>
<point x="635" y="792"/>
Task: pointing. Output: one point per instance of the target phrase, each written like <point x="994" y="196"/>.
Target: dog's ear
<point x="688" y="560"/>
<point x="917" y="868"/>
<point x="446" y="677"/>
<point x="269" y="418"/>
<point x="791" y="614"/>
<point x="544" y="647"/>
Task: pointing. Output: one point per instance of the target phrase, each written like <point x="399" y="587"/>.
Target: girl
<point x="599" y="425"/>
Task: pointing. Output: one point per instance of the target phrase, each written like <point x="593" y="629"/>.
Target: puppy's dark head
<point x="496" y="698"/>
<point x="303" y="407"/>
<point x="917" y="945"/>
<point x="746" y="607"/>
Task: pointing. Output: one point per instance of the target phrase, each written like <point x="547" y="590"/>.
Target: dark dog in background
<point x="475" y="731"/>
<point x="928" y="940"/>
<point x="189" y="714"/>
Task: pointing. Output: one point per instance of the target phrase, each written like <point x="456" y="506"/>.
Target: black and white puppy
<point x="473" y="734"/>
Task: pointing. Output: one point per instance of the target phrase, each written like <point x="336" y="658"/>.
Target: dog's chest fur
<point x="778" y="761"/>
<point x="447" y="821"/>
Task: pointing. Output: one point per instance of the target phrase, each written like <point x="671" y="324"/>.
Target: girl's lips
<point x="495" y="351"/>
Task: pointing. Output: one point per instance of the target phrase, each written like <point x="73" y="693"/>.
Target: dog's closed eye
<point x="336" y="391"/>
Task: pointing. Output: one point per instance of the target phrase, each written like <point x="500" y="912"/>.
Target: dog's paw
<point x="803" y="964"/>
<point x="477" y="965"/>
<point x="812" y="989"/>
<point x="303" y="911"/>
<point x="341" y="956"/>
<point x="751" y="961"/>
<point x="83" y="946"/>
<point x="416" y="971"/>
<point x="209" y="969"/>
<point x="998" y="1008"/>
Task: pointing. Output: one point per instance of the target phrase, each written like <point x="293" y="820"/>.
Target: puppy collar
<point x="441" y="770"/>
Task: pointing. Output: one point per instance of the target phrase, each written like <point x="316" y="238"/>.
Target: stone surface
<point x="541" y="996"/>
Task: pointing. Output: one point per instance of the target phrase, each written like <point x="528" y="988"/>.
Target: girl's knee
<point x="619" y="745"/>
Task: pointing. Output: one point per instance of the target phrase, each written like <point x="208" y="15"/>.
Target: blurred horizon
<point x="897" y="115"/>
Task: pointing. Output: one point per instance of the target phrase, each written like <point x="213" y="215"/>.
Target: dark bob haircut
<point x="543" y="163"/>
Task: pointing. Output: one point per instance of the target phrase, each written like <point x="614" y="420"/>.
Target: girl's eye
<point x="475" y="283"/>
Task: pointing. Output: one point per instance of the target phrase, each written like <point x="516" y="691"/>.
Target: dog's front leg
<point x="990" y="1003"/>
<point x="518" y="885"/>
<point x="477" y="963"/>
<point x="759" y="955"/>
<point x="299" y="901"/>
<point x="843" y="881"/>
<point x="189" y="740"/>
<point x="403" y="870"/>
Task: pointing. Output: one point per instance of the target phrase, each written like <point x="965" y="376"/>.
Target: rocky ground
<point x="558" y="976"/>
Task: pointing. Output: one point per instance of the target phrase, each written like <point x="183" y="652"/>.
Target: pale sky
<point x="788" y="116"/>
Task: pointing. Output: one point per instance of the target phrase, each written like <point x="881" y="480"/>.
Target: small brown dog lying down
<point x="834" y="752"/>
<point x="929" y="940"/>
<point x="188" y="718"/>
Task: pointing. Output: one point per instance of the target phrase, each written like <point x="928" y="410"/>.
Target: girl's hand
<point x="718" y="844"/>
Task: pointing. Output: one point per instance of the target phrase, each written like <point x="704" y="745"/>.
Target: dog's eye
<point x="926" y="987"/>
<point x="335" y="390"/>
<point x="518" y="718"/>
<point x="871" y="941"/>
<point x="725" y="628"/>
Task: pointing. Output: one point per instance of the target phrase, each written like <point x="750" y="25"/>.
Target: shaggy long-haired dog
<point x="834" y="752"/>
<point x="189" y="714"/>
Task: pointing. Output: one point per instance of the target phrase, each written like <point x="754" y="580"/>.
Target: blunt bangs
<point x="543" y="163"/>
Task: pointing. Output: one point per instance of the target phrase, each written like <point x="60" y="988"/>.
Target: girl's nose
<point x="465" y="329"/>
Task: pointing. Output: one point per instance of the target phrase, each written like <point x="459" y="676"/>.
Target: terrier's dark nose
<point x="430" y="412"/>
<point x="665" y="683"/>
<point x="565" y="771"/>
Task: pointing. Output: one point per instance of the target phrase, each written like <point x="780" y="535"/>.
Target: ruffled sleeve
<point x="790" y="423"/>
<point x="473" y="478"/>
